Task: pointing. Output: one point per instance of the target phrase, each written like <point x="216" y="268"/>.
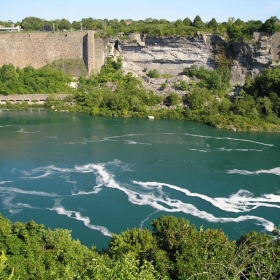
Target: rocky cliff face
<point x="168" y="55"/>
<point x="171" y="55"/>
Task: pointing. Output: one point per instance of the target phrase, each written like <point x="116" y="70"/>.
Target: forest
<point x="234" y="29"/>
<point x="171" y="249"/>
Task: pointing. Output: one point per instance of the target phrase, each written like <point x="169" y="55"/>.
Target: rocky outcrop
<point x="171" y="55"/>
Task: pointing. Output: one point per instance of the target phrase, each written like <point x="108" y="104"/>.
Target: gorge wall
<point x="168" y="55"/>
<point x="171" y="55"/>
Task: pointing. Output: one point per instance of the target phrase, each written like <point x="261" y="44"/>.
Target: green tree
<point x="267" y="84"/>
<point x="265" y="105"/>
<point x="212" y="24"/>
<point x="64" y="24"/>
<point x="197" y="22"/>
<point x="192" y="252"/>
<point x="253" y="26"/>
<point x="172" y="99"/>
<point x="3" y="264"/>
<point x="187" y="22"/>
<point x="123" y="268"/>
<point x="87" y="23"/>
<point x="236" y="31"/>
<point x="244" y="104"/>
<point x="76" y="25"/>
<point x="258" y="256"/>
<point x="178" y="22"/>
<point x="9" y="78"/>
<point x="271" y="25"/>
<point x="33" y="23"/>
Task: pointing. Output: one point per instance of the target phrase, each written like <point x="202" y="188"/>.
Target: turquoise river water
<point x="97" y="176"/>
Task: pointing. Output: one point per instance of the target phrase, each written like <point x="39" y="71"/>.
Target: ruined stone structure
<point x="40" y="48"/>
<point x="29" y="98"/>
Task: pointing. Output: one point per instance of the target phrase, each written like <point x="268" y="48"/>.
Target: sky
<point x="221" y="10"/>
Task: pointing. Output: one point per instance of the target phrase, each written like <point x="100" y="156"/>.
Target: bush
<point x="153" y="74"/>
<point x="163" y="86"/>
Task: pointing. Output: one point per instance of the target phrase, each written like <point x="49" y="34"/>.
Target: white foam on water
<point x="236" y="203"/>
<point x="125" y="135"/>
<point x="274" y="171"/>
<point x="108" y="138"/>
<point x="243" y="201"/>
<point x="14" y="208"/>
<point x="14" y="211"/>
<point x="223" y="149"/>
<point x="153" y="194"/>
<point x="77" y="216"/>
<point x="68" y="180"/>
<point x="96" y="190"/>
<point x="77" y="143"/>
<point x="46" y="174"/>
<point x="120" y="164"/>
<point x="228" y="138"/>
<point x="27" y="132"/>
<point x="240" y="202"/>
<point x="25" y="205"/>
<point x="147" y="218"/>
<point x="7" y="201"/>
<point x="12" y="190"/>
<point x="7" y="125"/>
<point x="4" y="182"/>
<point x="128" y="142"/>
<point x="47" y="170"/>
<point x="198" y="150"/>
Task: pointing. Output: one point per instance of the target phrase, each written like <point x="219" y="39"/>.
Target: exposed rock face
<point x="171" y="55"/>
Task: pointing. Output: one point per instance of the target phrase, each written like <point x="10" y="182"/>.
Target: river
<point x="98" y="176"/>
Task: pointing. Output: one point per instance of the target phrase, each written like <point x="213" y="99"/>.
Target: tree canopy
<point x="235" y="29"/>
<point x="29" y="80"/>
<point x="172" y="249"/>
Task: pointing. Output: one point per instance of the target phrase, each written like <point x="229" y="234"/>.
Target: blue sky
<point x="221" y="10"/>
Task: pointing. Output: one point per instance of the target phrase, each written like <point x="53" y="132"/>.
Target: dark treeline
<point x="234" y="29"/>
<point x="173" y="249"/>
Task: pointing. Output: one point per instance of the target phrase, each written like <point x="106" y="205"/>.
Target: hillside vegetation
<point x="206" y="98"/>
<point x="29" y="80"/>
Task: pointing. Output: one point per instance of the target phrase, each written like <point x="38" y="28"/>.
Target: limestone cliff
<point x="171" y="55"/>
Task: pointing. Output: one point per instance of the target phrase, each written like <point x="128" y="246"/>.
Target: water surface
<point x="97" y="176"/>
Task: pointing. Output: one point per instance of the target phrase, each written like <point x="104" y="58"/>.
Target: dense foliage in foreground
<point x="173" y="249"/>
